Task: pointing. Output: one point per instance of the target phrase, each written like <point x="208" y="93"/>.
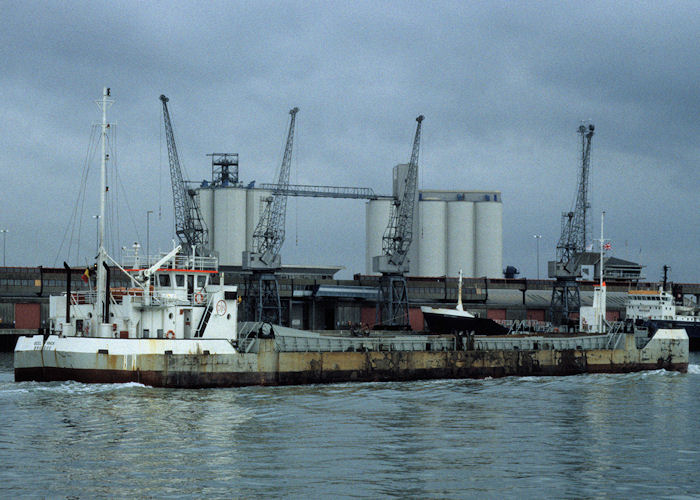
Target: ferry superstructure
<point x="656" y="309"/>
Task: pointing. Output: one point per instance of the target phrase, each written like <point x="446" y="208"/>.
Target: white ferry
<point x="655" y="309"/>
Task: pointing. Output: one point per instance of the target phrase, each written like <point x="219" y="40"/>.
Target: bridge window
<point x="201" y="281"/>
<point x="179" y="280"/>
<point x="164" y="280"/>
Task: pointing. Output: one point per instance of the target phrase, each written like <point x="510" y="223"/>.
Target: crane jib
<point x="399" y="232"/>
<point x="268" y="236"/>
<point x="189" y="225"/>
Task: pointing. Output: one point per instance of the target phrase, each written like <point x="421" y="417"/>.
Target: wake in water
<point x="67" y="388"/>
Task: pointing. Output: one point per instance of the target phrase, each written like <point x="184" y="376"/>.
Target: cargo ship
<point x="652" y="310"/>
<point x="182" y="331"/>
<point x="446" y="320"/>
<point x="176" y="325"/>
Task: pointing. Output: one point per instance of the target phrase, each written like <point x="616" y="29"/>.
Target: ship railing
<point x="83" y="297"/>
<point x="199" y="298"/>
<point x="170" y="299"/>
<point x="132" y="260"/>
<point x="525" y="325"/>
<point x="245" y="339"/>
<point x="613" y="339"/>
<point x="615" y="332"/>
<point x="196" y="263"/>
<point x="517" y="326"/>
<point x="286" y="342"/>
<point x="615" y="326"/>
<point x="157" y="298"/>
<point x="362" y="344"/>
<point x="540" y="343"/>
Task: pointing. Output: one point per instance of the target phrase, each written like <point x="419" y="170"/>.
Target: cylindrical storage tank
<point x="377" y="214"/>
<point x="205" y="198"/>
<point x="460" y="238"/>
<point x="488" y="252"/>
<point x="255" y="202"/>
<point x="431" y="238"/>
<point x="229" y="225"/>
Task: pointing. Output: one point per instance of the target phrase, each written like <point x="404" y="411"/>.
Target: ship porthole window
<point x="170" y="315"/>
<point x="228" y="316"/>
<point x="89" y="315"/>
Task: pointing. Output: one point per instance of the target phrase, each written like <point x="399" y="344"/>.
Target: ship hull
<point x="692" y="328"/>
<point x="438" y="322"/>
<point x="216" y="363"/>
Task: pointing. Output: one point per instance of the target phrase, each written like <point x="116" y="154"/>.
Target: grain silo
<point x="205" y="198"/>
<point x="452" y="230"/>
<point x="488" y="236"/>
<point x="431" y="237"/>
<point x="377" y="213"/>
<point x="230" y="213"/>
<point x="229" y="224"/>
<point x="255" y="204"/>
<point x="460" y="243"/>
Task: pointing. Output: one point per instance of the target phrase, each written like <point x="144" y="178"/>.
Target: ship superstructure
<point x="655" y="309"/>
<point x="171" y="296"/>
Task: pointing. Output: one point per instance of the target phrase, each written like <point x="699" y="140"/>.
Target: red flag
<point x="607" y="246"/>
<point x="86" y="275"/>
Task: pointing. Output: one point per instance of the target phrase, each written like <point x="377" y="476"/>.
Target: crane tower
<point x="392" y="306"/>
<point x="566" y="297"/>
<point x="262" y="289"/>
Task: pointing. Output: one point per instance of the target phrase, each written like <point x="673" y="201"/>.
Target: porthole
<point x="228" y="316"/>
<point x="170" y="315"/>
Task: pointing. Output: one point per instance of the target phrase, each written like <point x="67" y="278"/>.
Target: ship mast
<point x="602" y="298"/>
<point x="104" y="103"/>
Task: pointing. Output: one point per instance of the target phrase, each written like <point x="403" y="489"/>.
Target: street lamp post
<point x="4" y="237"/>
<point x="148" y="234"/>
<point x="538" y="237"/>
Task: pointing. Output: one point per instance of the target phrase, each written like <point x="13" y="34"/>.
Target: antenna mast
<point x="103" y="103"/>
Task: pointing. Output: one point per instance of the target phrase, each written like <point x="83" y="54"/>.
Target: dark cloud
<point x="503" y="87"/>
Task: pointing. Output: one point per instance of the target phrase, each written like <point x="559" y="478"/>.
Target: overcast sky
<point x="503" y="86"/>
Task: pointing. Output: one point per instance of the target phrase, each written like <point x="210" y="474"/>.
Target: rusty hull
<point x="270" y="367"/>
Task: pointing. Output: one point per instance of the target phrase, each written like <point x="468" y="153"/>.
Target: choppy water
<point x="589" y="436"/>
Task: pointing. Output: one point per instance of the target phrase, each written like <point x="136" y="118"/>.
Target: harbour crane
<point x="263" y="260"/>
<point x="566" y="296"/>
<point x="392" y="306"/>
<point x="189" y="226"/>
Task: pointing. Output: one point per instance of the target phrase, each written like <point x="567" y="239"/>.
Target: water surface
<point x="587" y="436"/>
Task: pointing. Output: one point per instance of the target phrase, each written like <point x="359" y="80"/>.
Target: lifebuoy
<point x="170" y="334"/>
<point x="198" y="298"/>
